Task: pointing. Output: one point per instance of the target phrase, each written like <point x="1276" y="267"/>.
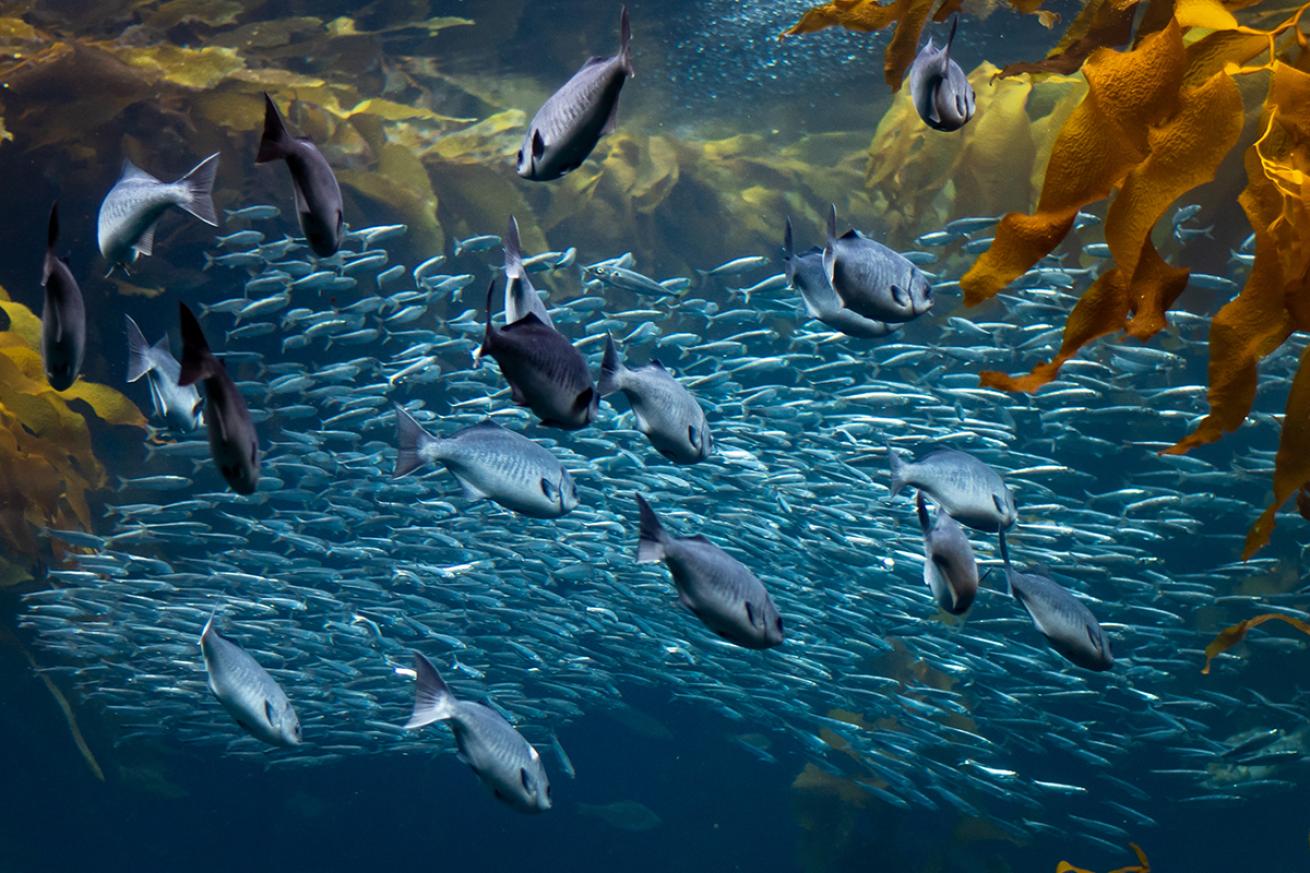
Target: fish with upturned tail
<point x="940" y="89"/>
<point x="317" y="194"/>
<point x="125" y="226"/>
<point x="233" y="441"/>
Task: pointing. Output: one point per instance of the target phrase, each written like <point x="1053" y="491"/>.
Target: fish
<point x="939" y="88"/>
<point x="665" y="410"/>
<point x="624" y="815"/>
<point x="180" y="407"/>
<point x="250" y="695"/>
<point x="805" y="273"/>
<point x="717" y="588"/>
<point x="967" y="489"/>
<point x="477" y="243"/>
<point x="130" y="212"/>
<point x="871" y="279"/>
<point x="491" y="462"/>
<point x="317" y="194"/>
<point x="545" y="372"/>
<point x="233" y="441"/>
<point x="63" y="315"/>
<point x="627" y="279"/>
<point x="567" y="127"/>
<point x="504" y="761"/>
<point x="520" y="297"/>
<point x="259" y="212"/>
<point x="1068" y="625"/>
<point x="949" y="568"/>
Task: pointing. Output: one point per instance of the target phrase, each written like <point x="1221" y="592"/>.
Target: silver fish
<point x="504" y="761"/>
<point x="871" y="279"/>
<point x="318" y="196"/>
<point x="666" y="412"/>
<point x="805" y="273"/>
<point x="568" y="125"/>
<point x="233" y="442"/>
<point x="132" y="208"/>
<point x="967" y="489"/>
<point x="940" y="90"/>
<point x="250" y="695"/>
<point x="1067" y="624"/>
<point x="179" y="406"/>
<point x="491" y="463"/>
<point x="950" y="569"/>
<point x="716" y="587"/>
<point x="63" y="315"/>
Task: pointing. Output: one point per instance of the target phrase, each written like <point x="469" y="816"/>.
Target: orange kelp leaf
<point x="1142" y="865"/>
<point x="1100" y="143"/>
<point x="1292" y="464"/>
<point x="1100" y="23"/>
<point x="868" y="15"/>
<point x="1231" y="636"/>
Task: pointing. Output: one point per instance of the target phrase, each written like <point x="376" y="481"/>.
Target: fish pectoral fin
<point x="642" y="424"/>
<point x="471" y="491"/>
<point x="516" y="394"/>
<point x="302" y="205"/>
<point x="611" y="122"/>
<point x="146" y="244"/>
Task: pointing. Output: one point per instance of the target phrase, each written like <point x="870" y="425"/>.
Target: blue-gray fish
<point x="666" y="412"/>
<point x="179" y="406"/>
<point x="250" y="695"/>
<point x="940" y="90"/>
<point x="493" y="463"/>
<point x="545" y="372"/>
<point x="1067" y="624"/>
<point x="569" y="124"/>
<point x="871" y="279"/>
<point x="806" y="274"/>
<point x="950" y="569"/>
<point x="318" y="196"/>
<point x="63" y="315"/>
<point x="504" y="761"/>
<point x="132" y="208"/>
<point x="967" y="489"/>
<point x="716" y="587"/>
<point x="520" y="297"/>
<point x="233" y="442"/>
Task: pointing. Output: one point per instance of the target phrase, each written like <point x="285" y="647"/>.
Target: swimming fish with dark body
<point x="545" y="372"/>
<point x="504" y="761"/>
<point x="871" y="279"/>
<point x="940" y="90"/>
<point x="665" y="410"/>
<point x="967" y="489"/>
<point x="805" y="273"/>
<point x="131" y="210"/>
<point x="568" y="125"/>
<point x="491" y="462"/>
<point x="250" y="695"/>
<point x="233" y="442"/>
<point x="950" y="569"/>
<point x="520" y="297"/>
<point x="716" y="587"/>
<point x="318" y="196"/>
<point x="179" y="406"/>
<point x="63" y="315"/>
<point x="1067" y="624"/>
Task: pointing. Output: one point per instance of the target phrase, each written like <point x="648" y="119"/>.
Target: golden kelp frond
<point x="1100" y="23"/>
<point x="1231" y="636"/>
<point x="1142" y="865"/>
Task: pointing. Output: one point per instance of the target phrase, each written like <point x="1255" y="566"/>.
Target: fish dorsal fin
<point x="594" y="60"/>
<point x="950" y="41"/>
<point x="529" y="320"/>
<point x="146" y="244"/>
<point x="487" y="424"/>
<point x="658" y="365"/>
<point x="851" y="234"/>
<point x="132" y="171"/>
<point x="699" y="538"/>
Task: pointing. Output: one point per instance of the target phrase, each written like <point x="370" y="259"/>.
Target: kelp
<point x="1100" y="23"/>
<point x="909" y="16"/>
<point x="1142" y="866"/>
<point x="48" y="465"/>
<point x="1231" y="636"/>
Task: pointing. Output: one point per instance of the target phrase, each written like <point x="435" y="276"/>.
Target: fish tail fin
<point x="432" y="698"/>
<point x="199" y="199"/>
<point x="650" y="541"/>
<point x="513" y="251"/>
<point x="625" y="42"/>
<point x="485" y="348"/>
<point x="921" y="507"/>
<point x="611" y="369"/>
<point x="411" y="441"/>
<point x="950" y="39"/>
<point x="789" y="252"/>
<point x="138" y="358"/>
<point x="273" y="143"/>
<point x="898" y="470"/>
<point x="209" y="626"/>
<point x="198" y="361"/>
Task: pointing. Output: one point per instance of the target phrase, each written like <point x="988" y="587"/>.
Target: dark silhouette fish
<point x="318" y="196"/>
<point x="545" y="372"/>
<point x="233" y="442"/>
<point x="940" y="90"/>
<point x="520" y="297"/>
<point x="1068" y="625"/>
<point x="949" y="569"/>
<point x="805" y="273"/>
<point x="568" y="125"/>
<point x="63" y="316"/>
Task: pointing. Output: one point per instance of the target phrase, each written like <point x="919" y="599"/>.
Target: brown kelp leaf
<point x="868" y="15"/>
<point x="194" y="69"/>
<point x="1231" y="636"/>
<point x="389" y="110"/>
<point x="401" y="183"/>
<point x="215" y="13"/>
<point x="1292" y="464"/>
<point x="1100" y="23"/>
<point x="1184" y="152"/>
<point x="1142" y="866"/>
